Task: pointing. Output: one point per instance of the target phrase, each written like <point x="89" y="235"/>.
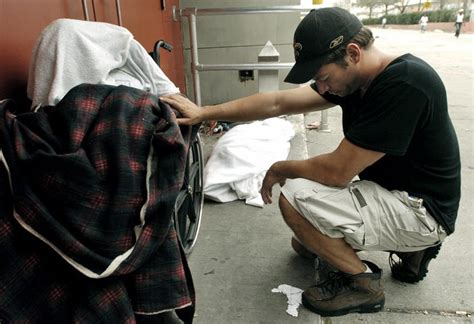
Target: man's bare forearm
<point x="256" y="107"/>
<point x="317" y="169"/>
<point x="336" y="169"/>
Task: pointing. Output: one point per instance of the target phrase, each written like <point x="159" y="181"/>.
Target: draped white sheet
<point x="242" y="156"/>
<point x="70" y="52"/>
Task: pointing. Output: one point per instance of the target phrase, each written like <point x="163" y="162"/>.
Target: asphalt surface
<point x="243" y="252"/>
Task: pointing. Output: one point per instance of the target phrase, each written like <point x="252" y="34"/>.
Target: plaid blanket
<point x="87" y="192"/>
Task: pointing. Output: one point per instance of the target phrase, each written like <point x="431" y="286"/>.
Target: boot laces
<point x="336" y="282"/>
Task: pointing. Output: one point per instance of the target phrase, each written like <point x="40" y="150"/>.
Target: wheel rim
<point x="190" y="200"/>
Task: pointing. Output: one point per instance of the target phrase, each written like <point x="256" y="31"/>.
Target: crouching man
<point x="399" y="141"/>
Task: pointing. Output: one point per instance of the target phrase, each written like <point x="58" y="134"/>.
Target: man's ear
<point x="353" y="52"/>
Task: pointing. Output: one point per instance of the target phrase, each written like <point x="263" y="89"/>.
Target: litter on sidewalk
<point x="294" y="297"/>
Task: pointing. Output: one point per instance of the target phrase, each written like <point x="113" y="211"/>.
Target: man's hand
<point x="191" y="113"/>
<point x="268" y="181"/>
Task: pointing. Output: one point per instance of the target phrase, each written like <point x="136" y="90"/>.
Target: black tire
<point x="190" y="201"/>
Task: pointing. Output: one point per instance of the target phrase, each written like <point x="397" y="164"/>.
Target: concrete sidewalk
<point x="244" y="252"/>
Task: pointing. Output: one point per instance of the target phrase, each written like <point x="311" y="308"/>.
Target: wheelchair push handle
<point x="156" y="50"/>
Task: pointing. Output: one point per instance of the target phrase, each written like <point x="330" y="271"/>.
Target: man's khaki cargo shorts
<point x="366" y="215"/>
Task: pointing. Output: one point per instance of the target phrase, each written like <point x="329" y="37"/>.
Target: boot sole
<point x="369" y="308"/>
<point x="431" y="254"/>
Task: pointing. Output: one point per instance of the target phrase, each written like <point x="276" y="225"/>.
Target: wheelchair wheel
<point x="190" y="201"/>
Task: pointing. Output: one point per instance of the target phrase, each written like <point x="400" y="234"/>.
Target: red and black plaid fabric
<point x="87" y="195"/>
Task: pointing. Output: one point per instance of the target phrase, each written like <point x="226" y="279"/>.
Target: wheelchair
<point x="190" y="201"/>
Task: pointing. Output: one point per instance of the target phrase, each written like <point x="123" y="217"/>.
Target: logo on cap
<point x="297" y="47"/>
<point x="336" y="41"/>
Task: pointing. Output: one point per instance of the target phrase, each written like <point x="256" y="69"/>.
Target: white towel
<point x="70" y="52"/>
<point x="242" y="156"/>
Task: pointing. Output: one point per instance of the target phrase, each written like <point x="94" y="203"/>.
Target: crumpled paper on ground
<point x="294" y="297"/>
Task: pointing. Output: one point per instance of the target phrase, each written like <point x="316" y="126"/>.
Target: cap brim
<point x="302" y="72"/>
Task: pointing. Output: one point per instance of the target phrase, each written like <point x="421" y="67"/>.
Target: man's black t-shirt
<point x="404" y="114"/>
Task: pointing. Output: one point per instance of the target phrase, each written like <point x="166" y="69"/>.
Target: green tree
<point x="465" y="6"/>
<point x="388" y="3"/>
<point x="371" y="4"/>
<point x="402" y="5"/>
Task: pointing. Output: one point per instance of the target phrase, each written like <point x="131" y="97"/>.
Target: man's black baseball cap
<point x="317" y="35"/>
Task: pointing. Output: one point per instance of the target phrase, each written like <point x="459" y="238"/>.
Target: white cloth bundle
<point x="242" y="156"/>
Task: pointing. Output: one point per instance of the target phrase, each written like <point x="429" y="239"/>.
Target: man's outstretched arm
<point x="255" y="107"/>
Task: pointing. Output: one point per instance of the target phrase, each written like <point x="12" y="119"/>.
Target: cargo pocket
<point x="368" y="235"/>
<point x="421" y="230"/>
<point x="329" y="211"/>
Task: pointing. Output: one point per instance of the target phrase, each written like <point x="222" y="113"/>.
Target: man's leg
<point x="355" y="214"/>
<point x="347" y="291"/>
<point x="334" y="250"/>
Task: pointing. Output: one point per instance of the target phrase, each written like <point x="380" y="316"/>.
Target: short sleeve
<point x="389" y="119"/>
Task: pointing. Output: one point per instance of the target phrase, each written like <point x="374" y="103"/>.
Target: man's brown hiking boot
<point x="343" y="293"/>
<point x="412" y="266"/>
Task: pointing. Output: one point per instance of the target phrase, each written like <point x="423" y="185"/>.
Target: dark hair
<point x="364" y="39"/>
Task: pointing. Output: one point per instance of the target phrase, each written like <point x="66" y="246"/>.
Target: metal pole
<point x="195" y="60"/>
<point x="236" y="11"/>
<point x="324" y="124"/>
<point x="119" y="12"/>
<point x="244" y="66"/>
<point x="84" y="10"/>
